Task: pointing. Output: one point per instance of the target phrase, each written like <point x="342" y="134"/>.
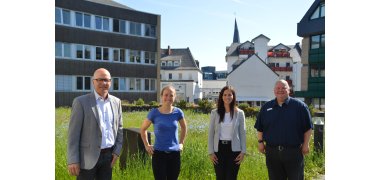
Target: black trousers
<point x="101" y="171"/>
<point x="285" y="163"/>
<point x="166" y="165"/>
<point x="226" y="169"/>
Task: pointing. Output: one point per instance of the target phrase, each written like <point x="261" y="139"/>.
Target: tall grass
<point x="195" y="163"/>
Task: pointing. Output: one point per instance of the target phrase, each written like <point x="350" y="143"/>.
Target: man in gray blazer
<point x="95" y="131"/>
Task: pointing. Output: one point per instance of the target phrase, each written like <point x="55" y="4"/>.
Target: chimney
<point x="169" y="51"/>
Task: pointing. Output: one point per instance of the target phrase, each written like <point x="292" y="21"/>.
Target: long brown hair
<point x="221" y="109"/>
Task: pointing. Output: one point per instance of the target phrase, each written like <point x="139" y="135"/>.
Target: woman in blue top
<point x="166" y="159"/>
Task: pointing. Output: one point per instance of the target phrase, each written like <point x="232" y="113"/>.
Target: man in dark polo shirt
<point x="283" y="130"/>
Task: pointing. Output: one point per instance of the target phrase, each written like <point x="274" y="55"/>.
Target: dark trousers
<point x="101" y="171"/>
<point x="166" y="165"/>
<point x="226" y="168"/>
<point x="285" y="163"/>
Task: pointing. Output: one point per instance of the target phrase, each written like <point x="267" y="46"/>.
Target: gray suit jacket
<point x="85" y="136"/>
<point x="238" y="141"/>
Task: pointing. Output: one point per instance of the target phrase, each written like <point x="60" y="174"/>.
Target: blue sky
<point x="206" y="26"/>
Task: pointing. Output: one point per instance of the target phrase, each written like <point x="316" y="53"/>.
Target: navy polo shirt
<point x="286" y="124"/>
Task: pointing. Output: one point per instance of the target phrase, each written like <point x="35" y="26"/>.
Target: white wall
<point x="261" y="47"/>
<point x="253" y="80"/>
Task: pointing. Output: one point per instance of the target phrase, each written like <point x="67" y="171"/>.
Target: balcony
<point x="246" y="51"/>
<point x="282" y="68"/>
<point x="278" y="54"/>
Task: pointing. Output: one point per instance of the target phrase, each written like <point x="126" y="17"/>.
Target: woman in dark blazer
<point x="227" y="136"/>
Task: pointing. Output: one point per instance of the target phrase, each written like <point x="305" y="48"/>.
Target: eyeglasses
<point x="103" y="80"/>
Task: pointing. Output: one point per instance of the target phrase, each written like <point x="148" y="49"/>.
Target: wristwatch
<point x="260" y="141"/>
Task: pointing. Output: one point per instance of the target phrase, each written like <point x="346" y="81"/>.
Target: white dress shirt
<point x="106" y="121"/>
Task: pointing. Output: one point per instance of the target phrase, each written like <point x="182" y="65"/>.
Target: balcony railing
<point x="246" y="51"/>
<point x="278" y="54"/>
<point x="282" y="68"/>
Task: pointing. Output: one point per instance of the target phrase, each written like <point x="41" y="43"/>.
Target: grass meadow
<point x="195" y="163"/>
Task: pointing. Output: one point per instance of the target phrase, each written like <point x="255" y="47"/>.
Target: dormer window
<point x="169" y="63"/>
<point x="176" y="63"/>
<point x="163" y="64"/>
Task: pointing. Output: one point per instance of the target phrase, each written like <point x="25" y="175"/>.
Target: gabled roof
<point x="232" y="49"/>
<point x="278" y="45"/>
<point x="187" y="60"/>
<point x="111" y="3"/>
<point x="261" y="35"/>
<point x="245" y="60"/>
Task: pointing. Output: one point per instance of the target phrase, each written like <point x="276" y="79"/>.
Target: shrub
<point x="205" y="106"/>
<point x="251" y="111"/>
<point x="139" y="102"/>
<point x="153" y="103"/>
<point x="243" y="106"/>
<point x="181" y="104"/>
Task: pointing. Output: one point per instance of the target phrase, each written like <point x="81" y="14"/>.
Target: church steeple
<point x="236" y="34"/>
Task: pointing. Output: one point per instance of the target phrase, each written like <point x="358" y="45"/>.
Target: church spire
<point x="236" y="34"/>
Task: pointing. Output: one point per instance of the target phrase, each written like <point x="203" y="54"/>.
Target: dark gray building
<point x="90" y="34"/>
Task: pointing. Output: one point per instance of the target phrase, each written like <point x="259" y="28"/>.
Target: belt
<point x="165" y="152"/>
<point x="224" y="142"/>
<point x="282" y="147"/>
<point x="105" y="150"/>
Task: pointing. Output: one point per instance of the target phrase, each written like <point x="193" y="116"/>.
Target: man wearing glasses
<point x="95" y="131"/>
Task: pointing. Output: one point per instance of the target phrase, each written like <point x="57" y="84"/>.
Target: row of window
<point x="119" y="84"/>
<point x="101" y="23"/>
<point x="89" y="52"/>
<point x="170" y="63"/>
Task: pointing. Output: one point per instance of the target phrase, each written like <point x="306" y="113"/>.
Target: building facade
<point x="181" y="70"/>
<point x="213" y="82"/>
<point x="92" y="34"/>
<point x="312" y="29"/>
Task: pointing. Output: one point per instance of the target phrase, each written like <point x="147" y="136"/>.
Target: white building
<point x="253" y="65"/>
<point x="181" y="70"/>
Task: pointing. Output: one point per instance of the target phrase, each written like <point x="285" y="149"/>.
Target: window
<point x="58" y="18"/>
<point x="317" y="41"/>
<point x="79" y="51"/>
<point x="115" y="84"/>
<point x="87" y="52"/>
<point x="138" y="84"/>
<point x="150" y="57"/>
<point x="163" y="64"/>
<point x="122" y="26"/>
<point x="169" y="63"/>
<point x="62" y="49"/>
<point x="83" y="83"/>
<point x="319" y="12"/>
<point x="63" y="83"/>
<point x="122" y="55"/>
<point x="105" y="54"/>
<point x="132" y="84"/>
<point x="87" y="20"/>
<point x="116" y="55"/>
<point x="134" y="56"/>
<point x="287" y="64"/>
<point x="58" y="49"/>
<point x="135" y="28"/>
<point x="101" y="53"/>
<point x="98" y="53"/>
<point x="102" y="23"/>
<point x="66" y="17"/>
<point x="316" y="71"/>
<point x="116" y="26"/>
<point x="176" y="63"/>
<point x="78" y="19"/>
<point x="150" y="30"/>
<point x="170" y="76"/>
<point x="146" y="84"/>
<point x="152" y="85"/>
<point x="122" y="86"/>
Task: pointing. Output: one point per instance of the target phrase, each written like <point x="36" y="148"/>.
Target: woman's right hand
<point x="213" y="158"/>
<point x="149" y="149"/>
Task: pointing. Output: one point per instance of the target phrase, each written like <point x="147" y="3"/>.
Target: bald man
<point x="95" y="131"/>
<point x="283" y="130"/>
